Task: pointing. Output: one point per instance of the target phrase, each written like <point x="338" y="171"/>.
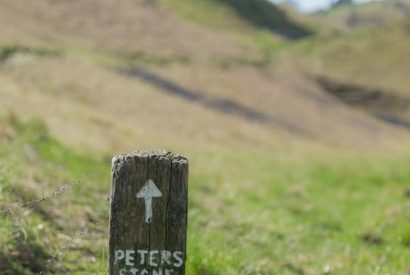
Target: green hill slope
<point x="376" y="13"/>
<point x="259" y="13"/>
<point x="361" y="57"/>
<point x="371" y="65"/>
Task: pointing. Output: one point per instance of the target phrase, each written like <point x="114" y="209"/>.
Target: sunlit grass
<point x="250" y="212"/>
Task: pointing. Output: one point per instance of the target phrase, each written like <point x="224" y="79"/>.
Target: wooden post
<point x="148" y="217"/>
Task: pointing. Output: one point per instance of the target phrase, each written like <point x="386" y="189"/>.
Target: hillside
<point x="234" y="15"/>
<point x="298" y="153"/>
<point x="224" y="72"/>
<point x="347" y="17"/>
<point x="131" y="27"/>
<point x="362" y="63"/>
<point x="375" y="61"/>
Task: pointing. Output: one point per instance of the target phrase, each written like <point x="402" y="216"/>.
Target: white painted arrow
<point x="149" y="191"/>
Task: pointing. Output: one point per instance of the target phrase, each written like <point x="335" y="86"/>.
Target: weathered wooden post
<point x="148" y="217"/>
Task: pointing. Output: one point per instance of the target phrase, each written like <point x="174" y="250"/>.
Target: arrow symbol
<point x="147" y="192"/>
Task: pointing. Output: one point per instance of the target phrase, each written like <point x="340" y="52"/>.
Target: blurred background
<point x="295" y="116"/>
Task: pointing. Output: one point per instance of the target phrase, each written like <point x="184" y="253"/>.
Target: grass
<point x="208" y="13"/>
<point x="49" y="225"/>
<point x="367" y="15"/>
<point x="259" y="204"/>
<point x="382" y="64"/>
<point x="250" y="213"/>
<point x="222" y="17"/>
<point x="241" y="15"/>
<point x="313" y="216"/>
<point x="8" y="51"/>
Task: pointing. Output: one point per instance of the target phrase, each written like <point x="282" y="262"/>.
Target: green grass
<point x="221" y="16"/>
<point x="313" y="215"/>
<point x="240" y="15"/>
<point x="53" y="196"/>
<point x="250" y="212"/>
<point x="209" y="13"/>
<point x="10" y="50"/>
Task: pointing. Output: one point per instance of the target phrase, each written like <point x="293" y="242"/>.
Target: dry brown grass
<point x="290" y="97"/>
<point x="123" y="26"/>
<point x="111" y="112"/>
<point x="91" y="106"/>
<point x="378" y="57"/>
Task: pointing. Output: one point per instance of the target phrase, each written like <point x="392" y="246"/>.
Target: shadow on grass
<point x="226" y="106"/>
<point x="387" y="106"/>
<point x="28" y="256"/>
<point x="8" y="51"/>
<point x="263" y="14"/>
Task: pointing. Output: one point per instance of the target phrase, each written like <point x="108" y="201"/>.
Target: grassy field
<point x="315" y="187"/>
<point x="250" y="212"/>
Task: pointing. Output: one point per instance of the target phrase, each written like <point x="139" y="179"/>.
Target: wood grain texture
<point x="158" y="247"/>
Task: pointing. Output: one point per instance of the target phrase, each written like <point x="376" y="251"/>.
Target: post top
<point x="158" y="154"/>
